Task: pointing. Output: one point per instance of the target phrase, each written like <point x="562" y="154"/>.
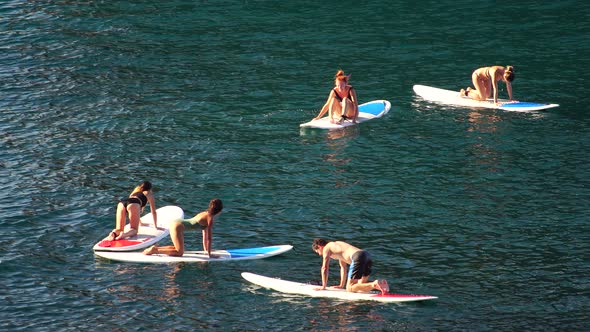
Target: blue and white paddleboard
<point x="367" y="111"/>
<point x="197" y="256"/>
<point x="450" y="97"/>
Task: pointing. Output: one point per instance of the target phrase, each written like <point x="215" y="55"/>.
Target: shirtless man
<point x="359" y="271"/>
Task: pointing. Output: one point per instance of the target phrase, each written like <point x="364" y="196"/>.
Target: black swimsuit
<point x="137" y="198"/>
<point x="337" y="96"/>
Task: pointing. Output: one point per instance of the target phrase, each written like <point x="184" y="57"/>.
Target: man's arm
<point x="325" y="268"/>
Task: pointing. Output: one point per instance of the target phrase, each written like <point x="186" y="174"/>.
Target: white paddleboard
<point x="367" y="111"/>
<point x="291" y="287"/>
<point x="450" y="97"/>
<point x="197" y="256"/>
<point x="147" y="234"/>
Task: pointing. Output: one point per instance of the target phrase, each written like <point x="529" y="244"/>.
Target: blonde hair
<point x="509" y="73"/>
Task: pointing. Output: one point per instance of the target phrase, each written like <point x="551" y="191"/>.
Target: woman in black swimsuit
<point x="342" y="101"/>
<point x="133" y="207"/>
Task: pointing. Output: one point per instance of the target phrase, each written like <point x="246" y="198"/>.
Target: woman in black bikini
<point x="133" y="206"/>
<point x="485" y="80"/>
<point x="342" y="101"/>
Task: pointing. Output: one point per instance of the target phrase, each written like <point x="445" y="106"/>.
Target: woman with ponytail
<point x="485" y="80"/>
<point x="133" y="207"/>
<point x="342" y="102"/>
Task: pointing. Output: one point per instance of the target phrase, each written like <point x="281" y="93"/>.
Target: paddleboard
<point x="291" y="287"/>
<point x="367" y="111"/>
<point x="197" y="256"/>
<point x="147" y="234"/>
<point x="450" y="97"/>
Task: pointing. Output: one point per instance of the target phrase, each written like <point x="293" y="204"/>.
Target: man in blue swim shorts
<point x="360" y="263"/>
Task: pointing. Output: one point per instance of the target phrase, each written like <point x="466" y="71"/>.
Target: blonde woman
<point x="485" y="81"/>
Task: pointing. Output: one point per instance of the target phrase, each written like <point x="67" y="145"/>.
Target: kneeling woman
<point x="132" y="207"/>
<point x="485" y="82"/>
<point x="202" y="221"/>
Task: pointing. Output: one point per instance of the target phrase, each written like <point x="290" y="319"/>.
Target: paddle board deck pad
<point x="367" y="111"/>
<point x="450" y="97"/>
<point x="197" y="256"/>
<point x="291" y="287"/>
<point x="147" y="234"/>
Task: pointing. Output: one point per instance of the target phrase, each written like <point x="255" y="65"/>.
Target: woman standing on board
<point x="202" y="221"/>
<point x="485" y="80"/>
<point x="342" y="101"/>
<point x="133" y="207"/>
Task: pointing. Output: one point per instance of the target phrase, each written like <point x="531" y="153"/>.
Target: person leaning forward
<point x="359" y="271"/>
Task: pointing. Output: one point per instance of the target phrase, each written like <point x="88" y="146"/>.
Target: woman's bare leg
<point x="350" y="110"/>
<point x="335" y="109"/>
<point x="120" y="220"/>
<point x="177" y="237"/>
<point x="480" y="92"/>
<point x="134" y="211"/>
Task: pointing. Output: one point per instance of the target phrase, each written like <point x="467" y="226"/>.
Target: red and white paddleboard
<point x="147" y="234"/>
<point x="291" y="287"/>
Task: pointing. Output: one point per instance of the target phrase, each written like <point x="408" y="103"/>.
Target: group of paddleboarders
<point x="342" y="103"/>
<point x="485" y="83"/>
<point x="132" y="207"/>
<point x="358" y="260"/>
<point x="355" y="263"/>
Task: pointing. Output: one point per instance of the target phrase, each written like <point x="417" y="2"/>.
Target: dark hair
<point x="318" y="243"/>
<point x="144" y="186"/>
<point x="509" y="73"/>
<point x="215" y="206"/>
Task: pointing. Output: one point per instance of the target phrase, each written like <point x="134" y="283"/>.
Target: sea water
<point x="488" y="210"/>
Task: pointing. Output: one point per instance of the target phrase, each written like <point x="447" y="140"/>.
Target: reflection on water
<point x="333" y="315"/>
<point x="346" y="132"/>
<point x="336" y="142"/>
<point x="483" y="149"/>
<point x="483" y="123"/>
<point x="171" y="288"/>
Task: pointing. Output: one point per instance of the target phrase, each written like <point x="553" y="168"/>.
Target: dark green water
<point x="488" y="210"/>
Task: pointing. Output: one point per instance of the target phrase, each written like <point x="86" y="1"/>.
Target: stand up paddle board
<point x="291" y="287"/>
<point x="147" y="234"/>
<point x="450" y="97"/>
<point x="367" y="111"/>
<point x="197" y="256"/>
